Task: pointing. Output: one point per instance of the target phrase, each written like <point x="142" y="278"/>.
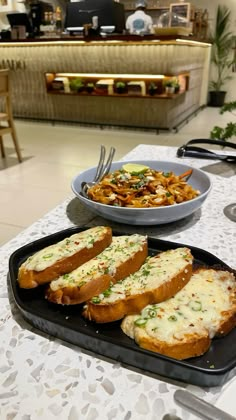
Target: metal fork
<point x="102" y="170"/>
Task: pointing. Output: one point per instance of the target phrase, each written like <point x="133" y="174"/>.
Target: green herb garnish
<point x="96" y="299"/>
<point x="140" y="322"/>
<point x="46" y="257"/>
<point x="195" y="305"/>
<point x="172" y="318"/>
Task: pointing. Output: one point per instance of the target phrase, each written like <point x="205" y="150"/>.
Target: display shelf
<point x="115" y="85"/>
<point x="123" y="95"/>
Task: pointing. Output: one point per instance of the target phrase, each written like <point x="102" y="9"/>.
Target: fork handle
<point x="100" y="163"/>
<point x="108" y="163"/>
<point x="200" y="407"/>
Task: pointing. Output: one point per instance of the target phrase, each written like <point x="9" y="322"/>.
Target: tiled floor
<point x="53" y="154"/>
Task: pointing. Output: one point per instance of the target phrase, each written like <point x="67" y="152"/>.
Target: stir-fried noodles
<point x="151" y="188"/>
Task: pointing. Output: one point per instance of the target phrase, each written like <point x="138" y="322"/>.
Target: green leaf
<point x="222" y="48"/>
<point x="224" y="133"/>
<point x="228" y="107"/>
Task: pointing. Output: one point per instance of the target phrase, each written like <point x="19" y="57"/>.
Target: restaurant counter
<point x="29" y="61"/>
<point x="43" y="377"/>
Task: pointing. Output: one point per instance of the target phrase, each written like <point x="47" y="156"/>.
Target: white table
<point x="44" y="378"/>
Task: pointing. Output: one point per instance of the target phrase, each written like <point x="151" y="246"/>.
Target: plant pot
<point x="121" y="90"/>
<point x="217" y="98"/>
<point x="152" y="92"/>
<point x="80" y="89"/>
<point x="89" y="89"/>
<point x="170" y="90"/>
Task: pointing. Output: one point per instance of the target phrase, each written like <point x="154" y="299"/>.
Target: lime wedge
<point x="135" y="168"/>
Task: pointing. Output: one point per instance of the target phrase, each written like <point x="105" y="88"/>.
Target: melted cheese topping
<point x="122" y="248"/>
<point x="196" y="309"/>
<point x="51" y="254"/>
<point x="153" y="273"/>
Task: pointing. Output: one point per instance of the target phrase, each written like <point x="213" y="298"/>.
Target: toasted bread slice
<point x="158" y="279"/>
<point x="182" y="327"/>
<point x="124" y="256"/>
<point x="63" y="257"/>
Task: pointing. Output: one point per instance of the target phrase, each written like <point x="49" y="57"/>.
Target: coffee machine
<point x="37" y="12"/>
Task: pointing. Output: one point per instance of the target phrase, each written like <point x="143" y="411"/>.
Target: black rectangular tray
<point x="66" y="322"/>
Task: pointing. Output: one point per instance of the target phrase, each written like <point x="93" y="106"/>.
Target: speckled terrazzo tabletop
<point x="42" y="377"/>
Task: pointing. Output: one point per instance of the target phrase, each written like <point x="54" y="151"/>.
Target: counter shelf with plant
<point x="118" y="86"/>
<point x="171" y="85"/>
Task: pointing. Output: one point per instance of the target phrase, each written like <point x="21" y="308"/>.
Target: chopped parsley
<point x="140" y="322"/>
<point x="172" y="318"/>
<point x="96" y="299"/>
<point x="47" y="257"/>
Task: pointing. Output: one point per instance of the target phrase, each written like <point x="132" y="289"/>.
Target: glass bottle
<point x="58" y="19"/>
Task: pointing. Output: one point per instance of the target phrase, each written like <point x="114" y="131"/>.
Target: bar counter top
<point x="111" y="38"/>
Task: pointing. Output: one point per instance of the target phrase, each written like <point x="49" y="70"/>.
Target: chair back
<point x="6" y="114"/>
<point x="4" y="82"/>
<point x="5" y="91"/>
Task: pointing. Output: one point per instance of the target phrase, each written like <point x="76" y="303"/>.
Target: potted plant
<point x="176" y="84"/>
<point x="152" y="88"/>
<point x="169" y="85"/>
<point x="120" y="87"/>
<point x="89" y="87"/>
<point x="77" y="84"/>
<point x="222" y="56"/>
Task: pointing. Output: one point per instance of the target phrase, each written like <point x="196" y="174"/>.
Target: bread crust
<point x="228" y="322"/>
<point x="191" y="344"/>
<point x="103" y="313"/>
<point x="228" y="317"/>
<point x="74" y="295"/>
<point x="29" y="279"/>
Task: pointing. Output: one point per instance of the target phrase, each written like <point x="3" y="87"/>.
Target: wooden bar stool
<point x="6" y="116"/>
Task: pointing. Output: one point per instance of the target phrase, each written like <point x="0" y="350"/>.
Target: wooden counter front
<point x="30" y="61"/>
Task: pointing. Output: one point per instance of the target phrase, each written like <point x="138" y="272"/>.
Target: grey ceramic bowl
<point x="148" y="216"/>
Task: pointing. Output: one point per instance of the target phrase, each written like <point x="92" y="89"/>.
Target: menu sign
<point x="182" y="10"/>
